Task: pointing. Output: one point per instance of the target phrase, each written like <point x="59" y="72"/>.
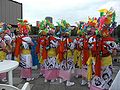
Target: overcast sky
<point x="70" y="10"/>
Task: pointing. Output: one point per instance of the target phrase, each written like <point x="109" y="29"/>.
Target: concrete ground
<point x="39" y="84"/>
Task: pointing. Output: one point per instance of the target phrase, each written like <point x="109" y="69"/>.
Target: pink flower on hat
<point x="52" y="31"/>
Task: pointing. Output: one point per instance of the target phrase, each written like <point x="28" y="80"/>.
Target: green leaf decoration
<point x="113" y="16"/>
<point x="97" y="32"/>
<point x="101" y="14"/>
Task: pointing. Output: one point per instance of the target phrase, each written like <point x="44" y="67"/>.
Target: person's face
<point x="17" y="33"/>
<point x="2" y="34"/>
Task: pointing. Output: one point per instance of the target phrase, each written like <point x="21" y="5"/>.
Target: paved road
<point x="39" y="84"/>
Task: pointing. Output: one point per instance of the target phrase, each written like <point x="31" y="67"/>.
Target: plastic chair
<point x="26" y="86"/>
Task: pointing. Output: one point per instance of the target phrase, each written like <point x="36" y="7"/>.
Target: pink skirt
<point x="26" y="72"/>
<point x="84" y="73"/>
<point x="2" y="75"/>
<point x="78" y="72"/>
<point x="94" y="88"/>
<point x="65" y="74"/>
<point x="51" y="74"/>
<point x="42" y="71"/>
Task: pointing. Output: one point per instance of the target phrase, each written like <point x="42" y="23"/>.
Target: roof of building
<point x="15" y="2"/>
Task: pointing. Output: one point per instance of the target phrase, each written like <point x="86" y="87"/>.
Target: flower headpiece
<point x="45" y="26"/>
<point x="23" y="26"/>
<point x="107" y="22"/>
<point x="65" y="27"/>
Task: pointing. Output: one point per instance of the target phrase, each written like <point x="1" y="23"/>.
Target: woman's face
<point x="2" y="34"/>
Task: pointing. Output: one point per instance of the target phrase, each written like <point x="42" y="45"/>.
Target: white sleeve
<point x="72" y="46"/>
<point x="55" y="43"/>
<point x="27" y="39"/>
<point x="7" y="38"/>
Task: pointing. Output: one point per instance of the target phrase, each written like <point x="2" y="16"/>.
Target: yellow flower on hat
<point x="78" y="31"/>
<point x="103" y="10"/>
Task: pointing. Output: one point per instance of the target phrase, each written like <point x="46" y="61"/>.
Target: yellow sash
<point x="69" y="54"/>
<point x="52" y="52"/>
<point x="106" y="61"/>
<point x="77" y="58"/>
<point x="40" y="57"/>
<point x="2" y="55"/>
<point x="89" y="63"/>
<point x="25" y="51"/>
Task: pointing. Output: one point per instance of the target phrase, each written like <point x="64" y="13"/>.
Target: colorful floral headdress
<point x="107" y="22"/>
<point x="64" y="27"/>
<point x="92" y="22"/>
<point x="24" y="26"/>
<point x="5" y="27"/>
<point x="80" y="27"/>
<point x="45" y="26"/>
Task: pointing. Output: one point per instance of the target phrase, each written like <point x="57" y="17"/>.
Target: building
<point x="50" y="19"/>
<point x="9" y="11"/>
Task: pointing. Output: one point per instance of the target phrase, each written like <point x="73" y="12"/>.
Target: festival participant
<point x="35" y="61"/>
<point x="91" y="33"/>
<point x="105" y="46"/>
<point x="41" y="51"/>
<point x="17" y="44"/>
<point x="47" y="45"/>
<point x="3" y="51"/>
<point x="91" y="59"/>
<point x="88" y="51"/>
<point x="77" y="56"/>
<point x="41" y="48"/>
<point x="83" y="43"/>
<point x="23" y="49"/>
<point x="85" y="56"/>
<point x="8" y="41"/>
<point x="78" y="49"/>
<point x="51" y="64"/>
<point x="65" y="55"/>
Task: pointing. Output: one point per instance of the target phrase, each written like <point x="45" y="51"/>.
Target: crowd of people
<point x="61" y="57"/>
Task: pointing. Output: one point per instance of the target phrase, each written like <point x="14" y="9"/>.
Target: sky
<point x="70" y="10"/>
